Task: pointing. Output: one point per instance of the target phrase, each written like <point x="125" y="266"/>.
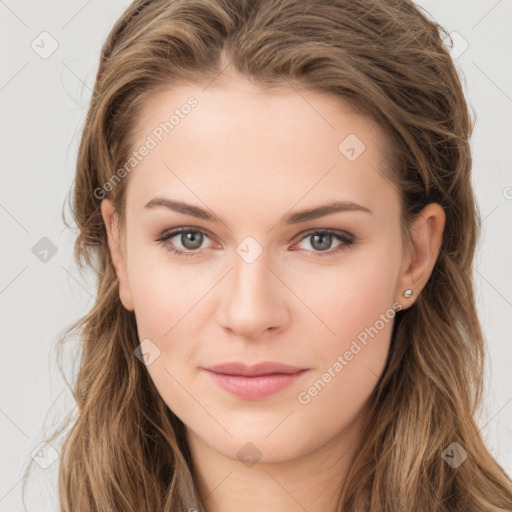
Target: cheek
<point x="155" y="301"/>
<point x="350" y="365"/>
<point x="164" y="308"/>
<point x="351" y="296"/>
<point x="162" y="291"/>
<point x="168" y="309"/>
<point x="356" y="303"/>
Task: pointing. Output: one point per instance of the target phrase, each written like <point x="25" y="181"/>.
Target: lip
<point x="257" y="381"/>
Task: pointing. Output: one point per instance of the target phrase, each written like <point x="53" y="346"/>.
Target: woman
<point x="276" y="197"/>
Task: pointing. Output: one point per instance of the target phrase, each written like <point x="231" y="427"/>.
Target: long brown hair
<point x="125" y="449"/>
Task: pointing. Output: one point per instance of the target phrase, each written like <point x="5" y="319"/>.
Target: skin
<point x="253" y="157"/>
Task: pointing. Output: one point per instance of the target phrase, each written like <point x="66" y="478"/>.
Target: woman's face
<point x="258" y="279"/>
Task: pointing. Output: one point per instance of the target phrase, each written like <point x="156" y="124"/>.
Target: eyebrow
<point x="293" y="218"/>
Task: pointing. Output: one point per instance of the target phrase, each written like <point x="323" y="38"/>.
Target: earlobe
<point x="427" y="235"/>
<point x="111" y="220"/>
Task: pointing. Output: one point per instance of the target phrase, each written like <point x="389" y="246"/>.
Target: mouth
<point x="254" y="382"/>
<point x="255" y="370"/>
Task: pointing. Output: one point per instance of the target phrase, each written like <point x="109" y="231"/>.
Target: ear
<point x="111" y="220"/>
<point x="427" y="234"/>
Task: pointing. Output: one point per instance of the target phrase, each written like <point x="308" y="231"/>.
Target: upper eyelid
<point x="171" y="233"/>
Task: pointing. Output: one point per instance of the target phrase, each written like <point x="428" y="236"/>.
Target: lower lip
<point x="255" y="387"/>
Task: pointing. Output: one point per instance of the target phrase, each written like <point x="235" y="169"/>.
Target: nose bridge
<point x="251" y="302"/>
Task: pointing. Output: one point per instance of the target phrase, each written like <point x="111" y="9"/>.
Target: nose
<point x="253" y="300"/>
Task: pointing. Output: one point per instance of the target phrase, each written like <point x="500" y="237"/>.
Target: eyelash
<point x="347" y="239"/>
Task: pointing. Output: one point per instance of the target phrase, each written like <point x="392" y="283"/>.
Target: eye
<point x="190" y="240"/>
<point x="321" y="241"/>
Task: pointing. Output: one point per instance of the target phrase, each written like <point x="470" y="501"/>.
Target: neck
<point x="310" y="481"/>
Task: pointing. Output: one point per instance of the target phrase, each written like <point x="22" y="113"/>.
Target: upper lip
<point x="264" y="368"/>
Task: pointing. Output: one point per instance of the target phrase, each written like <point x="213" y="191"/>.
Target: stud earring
<point x="408" y="293"/>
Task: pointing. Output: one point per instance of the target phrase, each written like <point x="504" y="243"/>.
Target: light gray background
<point x="44" y="103"/>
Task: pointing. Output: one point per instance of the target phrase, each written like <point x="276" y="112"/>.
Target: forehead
<point x="238" y="143"/>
